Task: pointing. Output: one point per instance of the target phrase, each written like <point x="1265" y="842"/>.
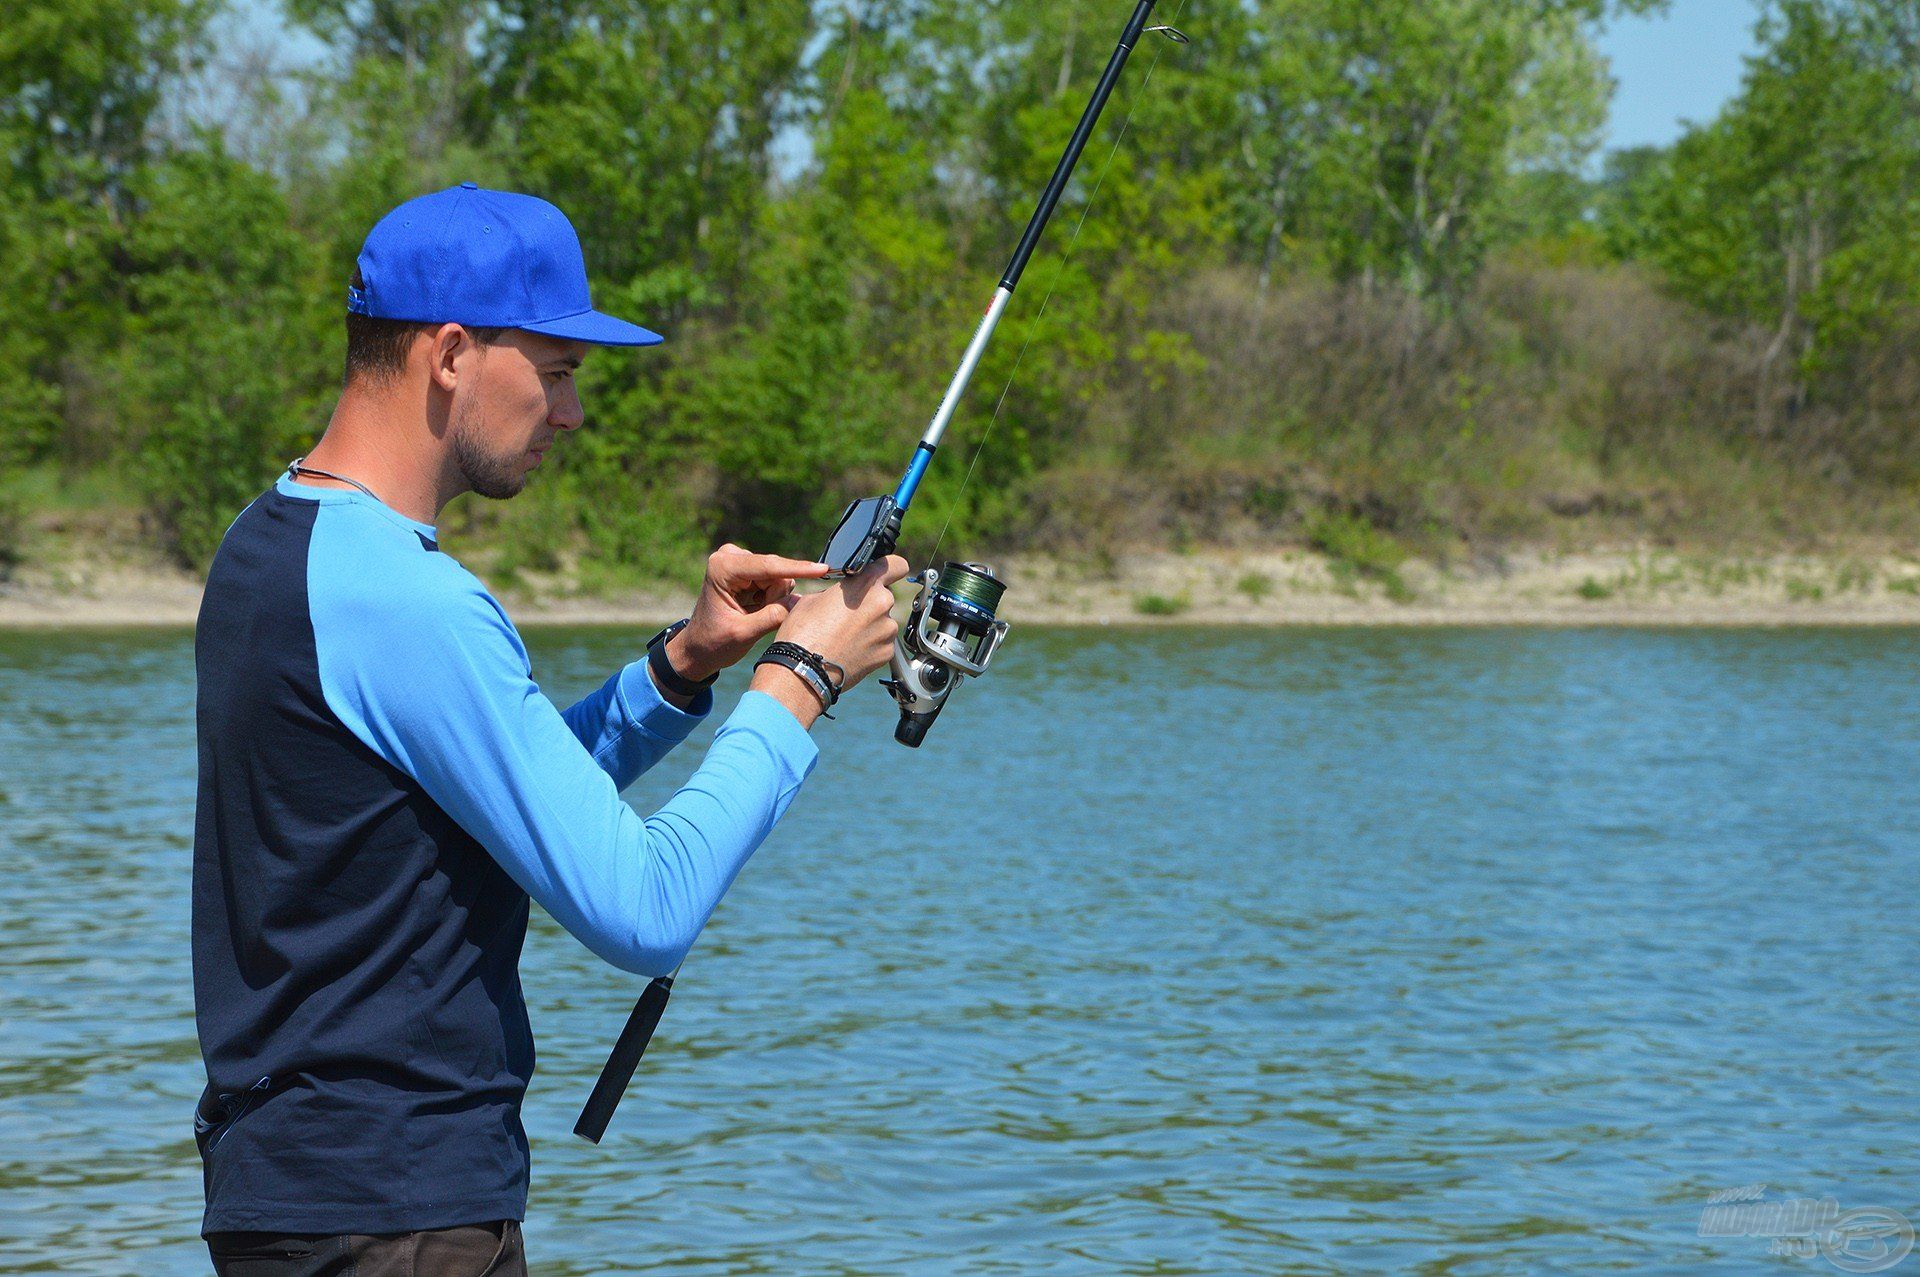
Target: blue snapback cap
<point x="489" y="259"/>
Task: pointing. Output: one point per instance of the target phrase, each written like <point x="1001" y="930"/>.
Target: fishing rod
<point x="952" y="632"/>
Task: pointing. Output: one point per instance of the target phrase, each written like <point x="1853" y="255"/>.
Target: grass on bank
<point x="1557" y="407"/>
<point x="1655" y="575"/>
<point x="1160" y="605"/>
<point x="1357" y="550"/>
<point x="1255" y="586"/>
<point x="53" y="517"/>
<point x="1570" y="406"/>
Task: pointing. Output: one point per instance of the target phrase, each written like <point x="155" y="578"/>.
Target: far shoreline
<point x="1223" y="587"/>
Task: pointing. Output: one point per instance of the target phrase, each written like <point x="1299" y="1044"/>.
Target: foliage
<point x="217" y="383"/>
<point x="80" y="81"/>
<point x="1396" y="136"/>
<point x="1159" y="605"/>
<point x="1255" y="585"/>
<point x="1799" y="208"/>
<point x="1335" y="272"/>
<point x="1356" y="548"/>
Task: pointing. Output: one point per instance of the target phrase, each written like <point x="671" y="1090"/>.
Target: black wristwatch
<point x="670" y="679"/>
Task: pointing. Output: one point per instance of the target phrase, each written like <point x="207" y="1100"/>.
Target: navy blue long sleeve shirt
<point x="382" y="788"/>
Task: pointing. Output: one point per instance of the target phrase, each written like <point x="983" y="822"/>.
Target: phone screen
<point x="844" y="549"/>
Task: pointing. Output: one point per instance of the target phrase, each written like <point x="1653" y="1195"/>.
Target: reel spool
<point x="952" y="634"/>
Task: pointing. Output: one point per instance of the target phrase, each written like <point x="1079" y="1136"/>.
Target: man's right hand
<point x="849" y="623"/>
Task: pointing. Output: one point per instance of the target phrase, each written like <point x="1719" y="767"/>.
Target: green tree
<point x="1414" y="119"/>
<point x="406" y="105"/>
<point x="229" y="358"/>
<point x="1797" y="206"/>
<point x="80" y="81"/>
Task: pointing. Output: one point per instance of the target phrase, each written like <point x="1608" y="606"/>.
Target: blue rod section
<point x="910" y="482"/>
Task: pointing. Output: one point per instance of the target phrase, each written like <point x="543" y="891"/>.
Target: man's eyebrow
<point x="567" y="361"/>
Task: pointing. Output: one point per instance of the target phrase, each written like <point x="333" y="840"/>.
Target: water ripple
<point x="1173" y="951"/>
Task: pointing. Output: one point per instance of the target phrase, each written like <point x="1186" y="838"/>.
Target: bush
<point x="1356" y="549"/>
<point x="1801" y="590"/>
<point x="12" y="537"/>
<point x="1159" y="605"/>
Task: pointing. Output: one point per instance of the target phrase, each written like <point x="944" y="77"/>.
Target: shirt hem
<point x="360" y="1217"/>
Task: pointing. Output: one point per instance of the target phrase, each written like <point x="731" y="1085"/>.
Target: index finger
<point x="773" y="567"/>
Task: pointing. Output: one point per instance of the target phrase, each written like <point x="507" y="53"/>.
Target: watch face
<point x="666" y="634"/>
<point x="851" y="544"/>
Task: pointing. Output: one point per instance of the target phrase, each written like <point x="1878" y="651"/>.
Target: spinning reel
<point x="952" y="632"/>
<point x="951" y="635"/>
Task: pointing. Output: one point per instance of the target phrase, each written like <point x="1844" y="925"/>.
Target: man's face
<point x="509" y="413"/>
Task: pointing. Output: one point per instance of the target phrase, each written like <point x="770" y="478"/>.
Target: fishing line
<point x="1059" y="273"/>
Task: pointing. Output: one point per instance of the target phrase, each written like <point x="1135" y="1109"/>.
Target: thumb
<point x="770" y="618"/>
<point x="773" y="615"/>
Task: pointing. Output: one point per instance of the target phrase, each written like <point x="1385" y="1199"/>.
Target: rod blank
<point x="1057" y="184"/>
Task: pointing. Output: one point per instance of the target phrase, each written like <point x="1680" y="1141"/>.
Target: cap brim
<point x="595" y="329"/>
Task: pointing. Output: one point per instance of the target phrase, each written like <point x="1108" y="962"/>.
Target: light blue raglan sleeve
<point x="628" y="726"/>
<point x="423" y="666"/>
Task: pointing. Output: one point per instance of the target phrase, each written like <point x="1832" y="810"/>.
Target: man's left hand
<point x="745" y="597"/>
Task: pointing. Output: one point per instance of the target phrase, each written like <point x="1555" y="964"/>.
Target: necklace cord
<point x="1059" y="272"/>
<point x="296" y="469"/>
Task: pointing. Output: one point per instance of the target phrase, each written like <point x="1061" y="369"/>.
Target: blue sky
<point x="1676" y="67"/>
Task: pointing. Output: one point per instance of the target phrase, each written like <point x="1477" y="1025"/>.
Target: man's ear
<point x="446" y="346"/>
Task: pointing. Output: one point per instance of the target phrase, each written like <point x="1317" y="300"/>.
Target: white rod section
<point x="968" y="362"/>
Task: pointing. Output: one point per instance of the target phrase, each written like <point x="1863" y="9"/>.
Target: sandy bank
<point x="1281" y="587"/>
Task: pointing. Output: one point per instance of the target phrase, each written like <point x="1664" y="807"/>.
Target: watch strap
<point x="664" y="674"/>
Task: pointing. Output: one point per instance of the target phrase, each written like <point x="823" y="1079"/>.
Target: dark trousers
<point x="472" y="1250"/>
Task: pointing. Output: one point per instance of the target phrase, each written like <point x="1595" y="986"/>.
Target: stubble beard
<point x="492" y="476"/>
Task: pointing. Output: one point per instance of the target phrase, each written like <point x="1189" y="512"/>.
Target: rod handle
<point x="624" y="1059"/>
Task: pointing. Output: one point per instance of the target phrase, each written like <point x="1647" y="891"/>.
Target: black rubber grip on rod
<point x="1084" y="130"/>
<point x="624" y="1060"/>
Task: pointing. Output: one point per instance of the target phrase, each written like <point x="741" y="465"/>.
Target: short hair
<point x="377" y="348"/>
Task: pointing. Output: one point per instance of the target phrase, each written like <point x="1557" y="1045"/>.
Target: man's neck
<point x="367" y="439"/>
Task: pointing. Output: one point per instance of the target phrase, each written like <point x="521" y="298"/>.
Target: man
<point x="382" y="785"/>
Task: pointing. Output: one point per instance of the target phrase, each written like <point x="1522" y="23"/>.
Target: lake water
<point x="1173" y="951"/>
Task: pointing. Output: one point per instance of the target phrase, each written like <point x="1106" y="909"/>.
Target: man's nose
<point x="566" y="412"/>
